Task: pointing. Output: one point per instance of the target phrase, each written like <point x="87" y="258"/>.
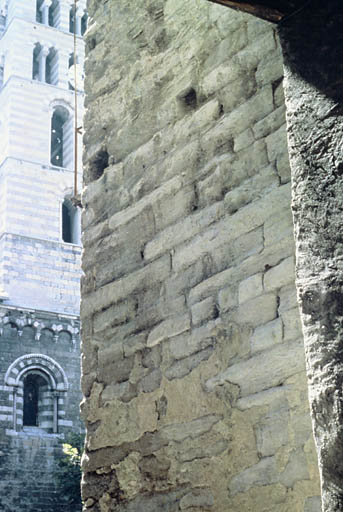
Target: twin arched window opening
<point x="80" y="21"/>
<point x="45" y="64"/>
<point x="48" y="12"/>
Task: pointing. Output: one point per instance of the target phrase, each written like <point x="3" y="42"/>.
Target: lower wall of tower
<point x="39" y="405"/>
<point x="28" y="466"/>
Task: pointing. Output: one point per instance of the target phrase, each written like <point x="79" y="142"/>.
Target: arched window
<point x="54" y="14"/>
<point x="71" y="227"/>
<point x="61" y="154"/>
<point x="37" y="384"/>
<point x="48" y="12"/>
<point x="45" y="64"/>
<point x="51" y="73"/>
<point x="35" y="390"/>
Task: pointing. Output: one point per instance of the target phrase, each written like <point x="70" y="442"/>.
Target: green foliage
<point x="69" y="472"/>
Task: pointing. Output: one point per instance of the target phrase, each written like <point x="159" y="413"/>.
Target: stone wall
<point x="193" y="367"/>
<point x="36" y="343"/>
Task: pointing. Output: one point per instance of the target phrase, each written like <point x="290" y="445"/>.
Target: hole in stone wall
<point x="98" y="164"/>
<point x="190" y="98"/>
<point x="91" y="43"/>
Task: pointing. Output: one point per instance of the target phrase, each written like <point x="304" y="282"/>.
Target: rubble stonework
<point x="193" y="361"/>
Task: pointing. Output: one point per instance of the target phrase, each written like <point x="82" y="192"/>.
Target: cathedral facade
<point x="39" y="244"/>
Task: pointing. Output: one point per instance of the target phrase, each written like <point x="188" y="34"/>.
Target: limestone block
<point x="204" y="116"/>
<point x="180" y="431"/>
<point x="292" y="324"/>
<point x="262" y="372"/>
<point x="184" y="366"/>
<point x="251" y="189"/>
<point x="270" y="123"/>
<point x="295" y="470"/>
<point x="122" y="218"/>
<point x="200" y="497"/>
<point x="277" y="143"/>
<point x="270" y="68"/>
<point x="204" y="310"/>
<point x="272" y="432"/>
<point x="251" y="265"/>
<point x="118" y="290"/>
<point x="187" y="344"/>
<point x="257" y="311"/>
<point x="283" y="168"/>
<point x="262" y="473"/>
<point x="183" y="230"/>
<point x="281" y="275"/>
<point x="219" y="77"/>
<point x="278" y="227"/>
<point x="266" y="335"/>
<point x="226" y="230"/>
<point x="313" y="504"/>
<point x="243" y="140"/>
<point x="250" y="288"/>
<point x="228" y="298"/>
<point x="263" y="398"/>
<point x="288" y="298"/>
<point x="168" y="329"/>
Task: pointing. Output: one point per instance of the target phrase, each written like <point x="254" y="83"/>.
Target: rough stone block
<point x="243" y="140"/>
<point x="263" y="473"/>
<point x="296" y="469"/>
<point x="270" y="123"/>
<point x="266" y="335"/>
<point x="250" y="288"/>
<point x="277" y="143"/>
<point x="292" y="324"/>
<point x="168" y="329"/>
<point x="259" y="373"/>
<point x="278" y="227"/>
<point x="200" y="497"/>
<point x="281" y="275"/>
<point x="187" y="344"/>
<point x="272" y="432"/>
<point x="288" y="298"/>
<point x="257" y="311"/>
<point x="228" y="298"/>
<point x="204" y="310"/>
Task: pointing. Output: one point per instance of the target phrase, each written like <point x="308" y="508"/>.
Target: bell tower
<point x="41" y="53"/>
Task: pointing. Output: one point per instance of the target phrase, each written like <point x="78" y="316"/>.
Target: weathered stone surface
<point x="314" y="106"/>
<point x="282" y="361"/>
<point x="267" y="335"/>
<point x="195" y="368"/>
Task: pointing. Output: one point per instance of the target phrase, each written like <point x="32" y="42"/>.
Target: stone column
<point x="55" y="412"/>
<point x="44" y="8"/>
<point x="312" y="42"/>
<point x="14" y="408"/>
<point x="42" y="64"/>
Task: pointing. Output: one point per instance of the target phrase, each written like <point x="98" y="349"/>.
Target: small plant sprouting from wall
<point x="68" y="474"/>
